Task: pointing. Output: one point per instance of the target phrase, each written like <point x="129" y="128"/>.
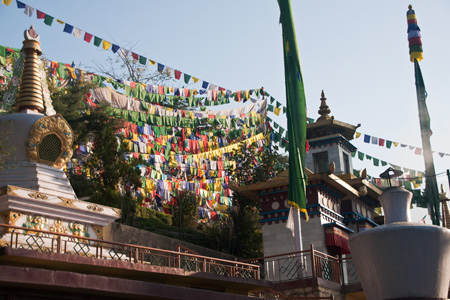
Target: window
<point x="50" y="148"/>
<point x="320" y="162"/>
<point x="346" y="164"/>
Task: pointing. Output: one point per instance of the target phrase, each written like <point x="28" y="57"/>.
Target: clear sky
<point x="356" y="51"/>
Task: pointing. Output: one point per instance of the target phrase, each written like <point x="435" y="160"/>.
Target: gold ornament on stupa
<point x="30" y="95"/>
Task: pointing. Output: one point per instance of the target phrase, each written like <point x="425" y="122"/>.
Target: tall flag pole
<point x="416" y="55"/>
<point x="296" y="114"/>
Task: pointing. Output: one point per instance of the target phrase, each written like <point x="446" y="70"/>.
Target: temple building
<point x="338" y="204"/>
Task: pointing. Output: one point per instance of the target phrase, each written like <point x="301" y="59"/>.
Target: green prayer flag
<point x="97" y="41"/>
<point x="376" y="162"/>
<point x="187" y="78"/>
<point x="128" y="90"/>
<point x="361" y="155"/>
<point x="270" y="107"/>
<point x="48" y="20"/>
<point x="142" y="60"/>
<point x="296" y="103"/>
<point x="383" y="163"/>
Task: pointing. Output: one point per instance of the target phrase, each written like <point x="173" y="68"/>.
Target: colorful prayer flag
<point x="68" y="28"/>
<point x="97" y="41"/>
<point x="296" y="110"/>
<point x="48" y="20"/>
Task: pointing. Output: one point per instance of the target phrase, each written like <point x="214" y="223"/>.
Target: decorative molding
<point x="50" y="125"/>
<point x="58" y="227"/>
<point x="38" y="196"/>
<point x="36" y="222"/>
<point x="67" y="202"/>
<point x="118" y="211"/>
<point x="10" y="190"/>
<point x="10" y="217"/>
<point x="98" y="231"/>
<point x="78" y="230"/>
<point x="95" y="207"/>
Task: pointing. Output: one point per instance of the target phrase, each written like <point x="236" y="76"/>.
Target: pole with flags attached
<point x="416" y="55"/>
<point x="296" y="114"/>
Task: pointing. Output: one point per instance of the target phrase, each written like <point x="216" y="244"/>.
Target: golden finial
<point x="30" y="94"/>
<point x="324" y="110"/>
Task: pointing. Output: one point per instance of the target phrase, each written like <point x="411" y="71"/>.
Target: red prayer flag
<point x="418" y="151"/>
<point x="177" y="74"/>
<point x="381" y="142"/>
<point x="239" y="96"/>
<point x="40" y="14"/>
<point x="88" y="37"/>
<point x="221" y="89"/>
<point x="135" y="56"/>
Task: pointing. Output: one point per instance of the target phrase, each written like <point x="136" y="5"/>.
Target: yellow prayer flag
<point x="152" y="62"/>
<point x="59" y="21"/>
<point x="195" y="79"/>
<point x="247" y="94"/>
<point x="395" y="144"/>
<point x="72" y="72"/>
<point x="277" y="111"/>
<point x="6" y="2"/>
<point x="106" y="45"/>
<point x="357" y="134"/>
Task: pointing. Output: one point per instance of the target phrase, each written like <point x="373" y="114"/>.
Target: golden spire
<point x="30" y="95"/>
<point x="324" y="110"/>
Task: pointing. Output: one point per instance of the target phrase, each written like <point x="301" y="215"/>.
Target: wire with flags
<point x="382" y="142"/>
<point x="117" y="49"/>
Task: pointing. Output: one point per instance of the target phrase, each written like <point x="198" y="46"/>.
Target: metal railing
<point x="272" y="294"/>
<point x="52" y="242"/>
<point x="304" y="264"/>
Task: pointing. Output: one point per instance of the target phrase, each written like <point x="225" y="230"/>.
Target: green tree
<point x="104" y="170"/>
<point x="188" y="202"/>
<point x="241" y="234"/>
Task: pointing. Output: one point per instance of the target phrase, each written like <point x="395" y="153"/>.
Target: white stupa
<point x="34" y="190"/>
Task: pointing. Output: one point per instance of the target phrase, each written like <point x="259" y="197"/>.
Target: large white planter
<point x="400" y="259"/>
